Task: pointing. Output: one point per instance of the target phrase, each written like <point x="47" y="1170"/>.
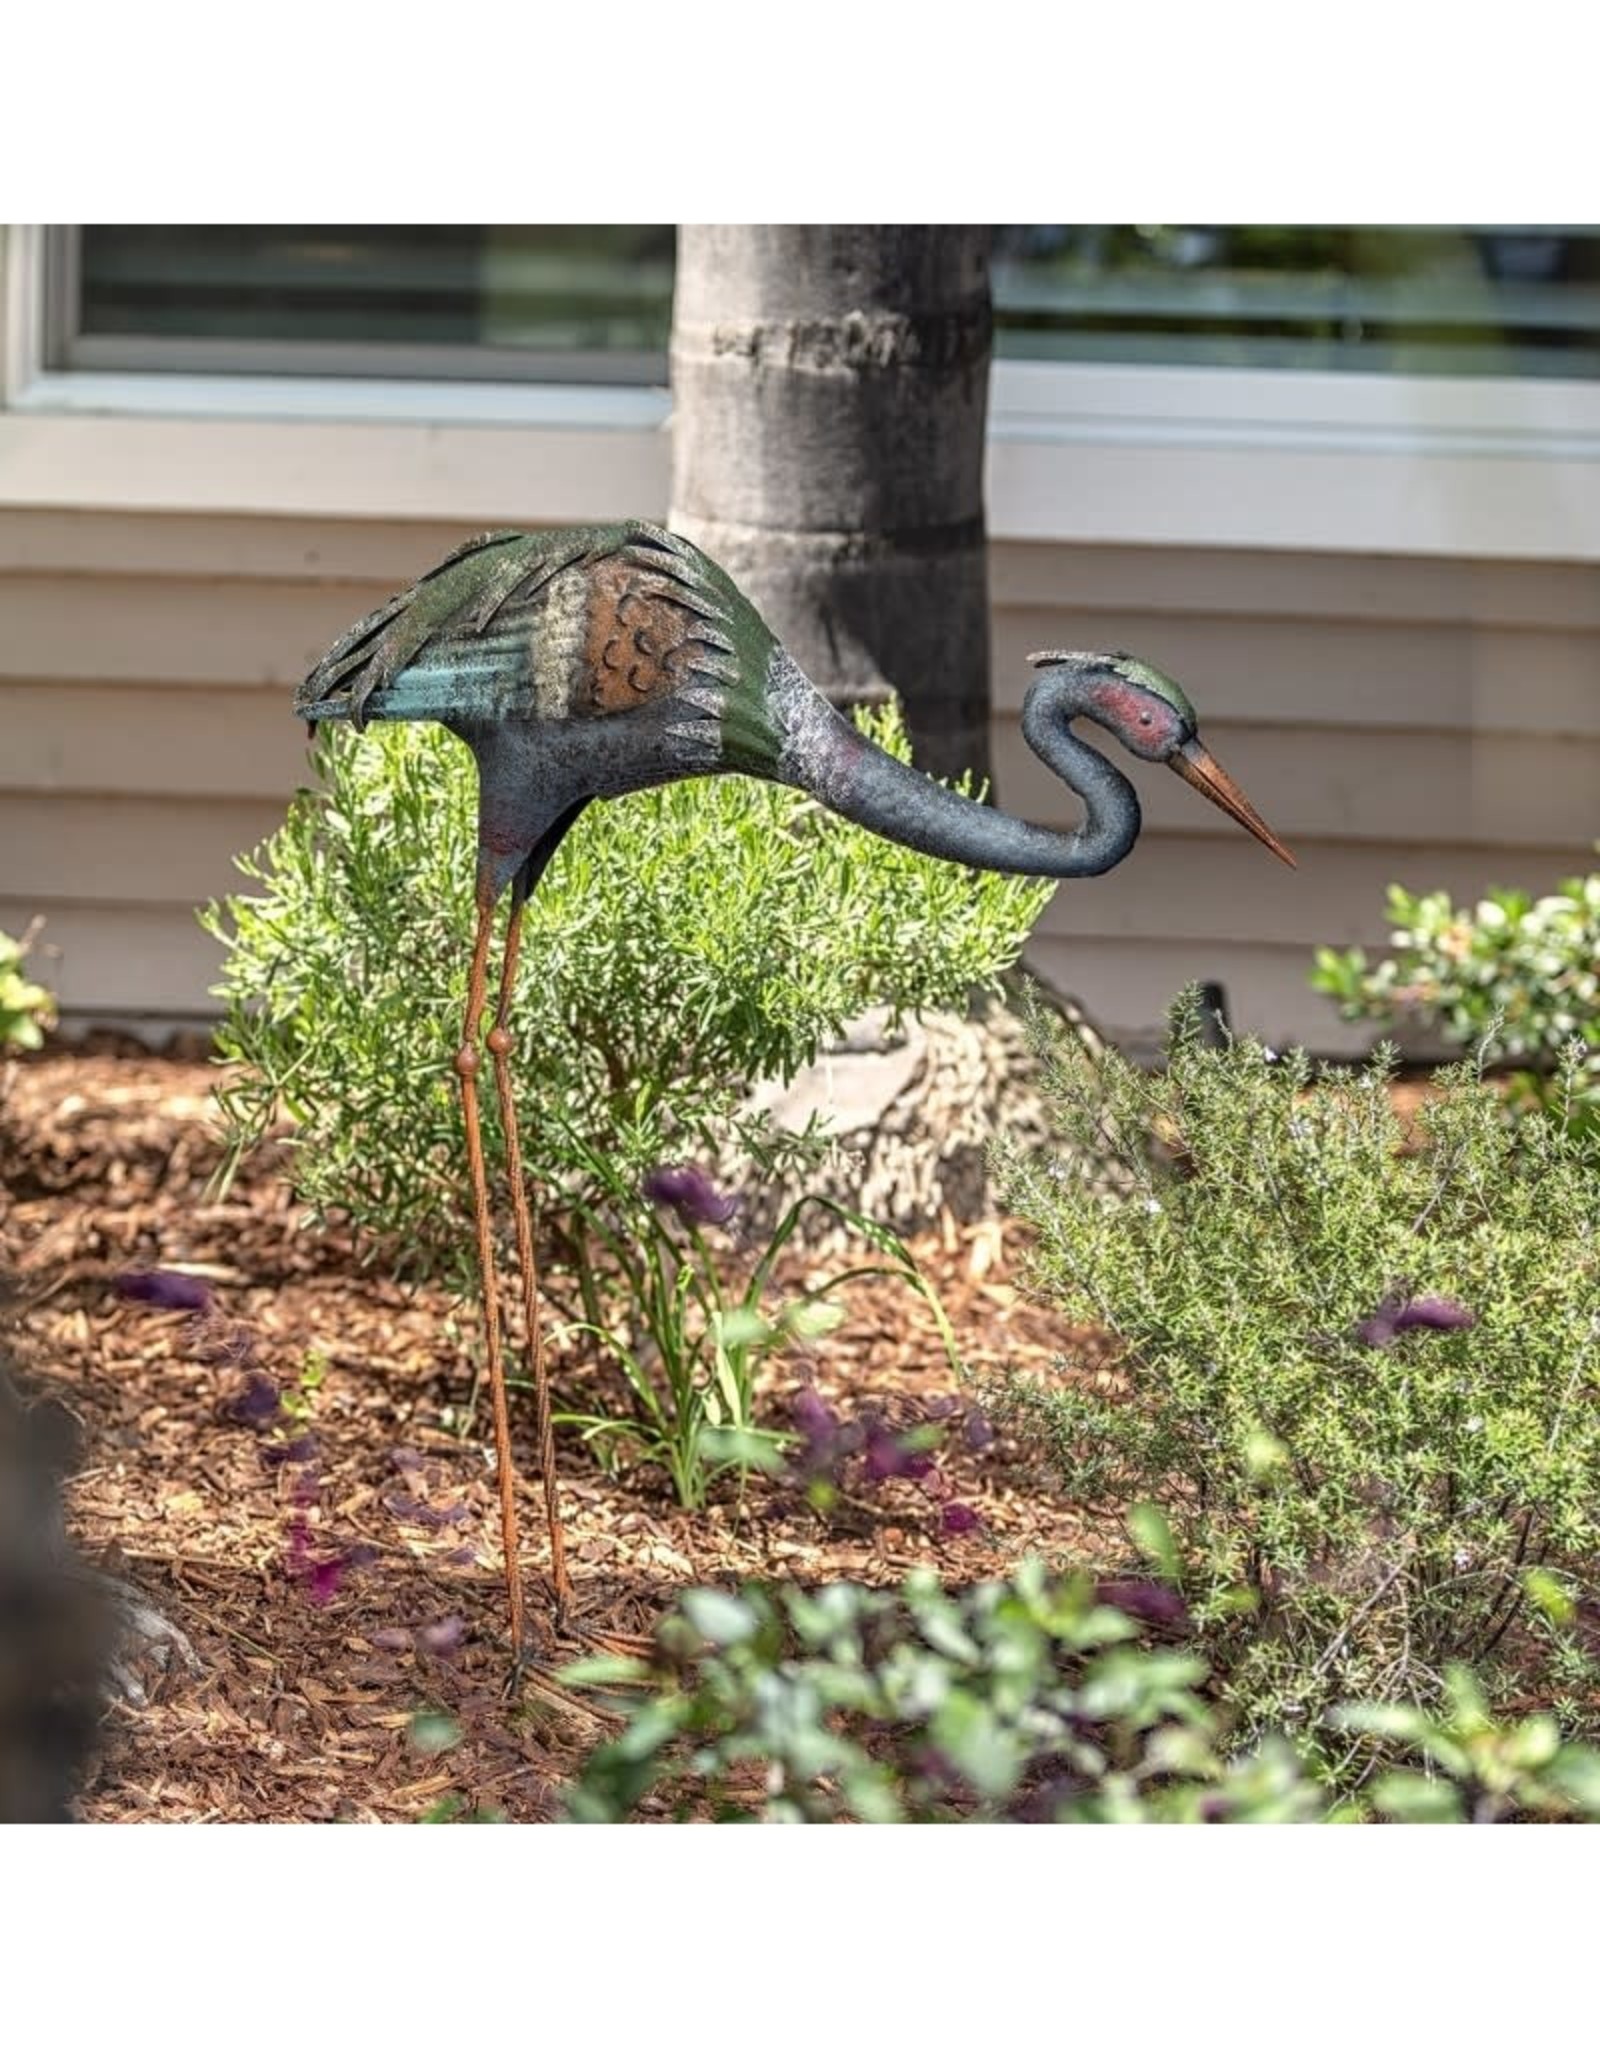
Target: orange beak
<point x="1201" y="772"/>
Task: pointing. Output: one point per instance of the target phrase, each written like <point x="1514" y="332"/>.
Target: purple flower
<point x="1395" y="1313"/>
<point x="977" y="1432"/>
<point x="956" y="1519"/>
<point x="298" y="1450"/>
<point x="814" y="1419"/>
<point x="443" y="1637"/>
<point x="323" y="1580"/>
<point x="890" y="1456"/>
<point x="257" y="1402"/>
<point x="1435" y="1312"/>
<point x="391" y="1639"/>
<point x="164" y="1290"/>
<point x="319" y="1578"/>
<point x="689" y="1193"/>
<point x="1145" y="1600"/>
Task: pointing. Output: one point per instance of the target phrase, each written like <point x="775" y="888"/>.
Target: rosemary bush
<point x="684" y="943"/>
<point x="1359" y="1369"/>
<point x="1526" y="969"/>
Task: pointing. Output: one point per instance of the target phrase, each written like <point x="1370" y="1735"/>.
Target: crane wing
<point x="577" y="623"/>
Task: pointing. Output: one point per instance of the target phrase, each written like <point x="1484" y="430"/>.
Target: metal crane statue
<point x="593" y="661"/>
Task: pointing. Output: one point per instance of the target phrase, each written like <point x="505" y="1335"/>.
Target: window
<point x="560" y="304"/>
<point x="593" y="304"/>
<point x="1513" y="301"/>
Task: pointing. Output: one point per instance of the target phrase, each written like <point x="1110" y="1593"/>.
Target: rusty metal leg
<point x="468" y="1061"/>
<point x="499" y="1042"/>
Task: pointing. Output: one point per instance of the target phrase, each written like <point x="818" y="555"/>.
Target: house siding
<point x="1423" y="720"/>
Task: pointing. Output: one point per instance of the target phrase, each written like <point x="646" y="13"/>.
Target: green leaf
<point x="1574" y="1775"/>
<point x="600" y="1672"/>
<point x="970" y="1735"/>
<point x="1406" y="1796"/>
<point x="1532" y="1743"/>
<point x="1152" y="1532"/>
<point x="1550" y="1596"/>
<point x="720" y="1617"/>
<point x="739" y="1327"/>
<point x="755" y="1450"/>
<point x="811" y="1319"/>
<point x="433" y="1733"/>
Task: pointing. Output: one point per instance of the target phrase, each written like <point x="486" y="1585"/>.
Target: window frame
<point x="1080" y="453"/>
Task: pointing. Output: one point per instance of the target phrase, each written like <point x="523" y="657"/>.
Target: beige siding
<point x="1433" y="722"/>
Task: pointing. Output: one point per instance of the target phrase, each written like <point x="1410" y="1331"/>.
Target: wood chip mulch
<point x="341" y="1575"/>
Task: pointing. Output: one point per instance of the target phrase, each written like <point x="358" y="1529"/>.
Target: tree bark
<point x="830" y="387"/>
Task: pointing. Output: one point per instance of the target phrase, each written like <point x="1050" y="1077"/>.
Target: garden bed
<point x="335" y="1593"/>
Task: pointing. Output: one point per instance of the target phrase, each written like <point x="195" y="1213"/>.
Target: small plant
<point x="1025" y="1699"/>
<point x="685" y="943"/>
<point x="1358" y="1369"/>
<point x="27" y="1011"/>
<point x="689" y="1345"/>
<point x="1525" y="970"/>
<point x="301" y="1405"/>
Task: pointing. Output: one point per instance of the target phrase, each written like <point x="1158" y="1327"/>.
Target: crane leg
<point x="499" y="1043"/>
<point x="468" y="1061"/>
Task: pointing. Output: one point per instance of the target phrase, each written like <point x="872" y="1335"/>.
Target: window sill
<point x="1079" y="454"/>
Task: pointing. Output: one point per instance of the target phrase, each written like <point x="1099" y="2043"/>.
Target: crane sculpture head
<point x="597" y="660"/>
<point x="1151" y="717"/>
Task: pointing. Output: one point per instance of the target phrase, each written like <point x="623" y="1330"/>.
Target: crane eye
<point x="1144" y="718"/>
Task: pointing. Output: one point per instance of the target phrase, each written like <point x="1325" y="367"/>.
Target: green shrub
<point x="1022" y="1699"/>
<point x="1359" y="1373"/>
<point x="1526" y="971"/>
<point x="684" y="943"/>
<point x="26" y="1010"/>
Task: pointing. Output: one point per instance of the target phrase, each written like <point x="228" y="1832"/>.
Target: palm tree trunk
<point x="830" y="389"/>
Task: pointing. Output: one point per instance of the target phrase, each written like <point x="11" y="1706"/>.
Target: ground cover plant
<point x="1025" y="1699"/>
<point x="1359" y="1365"/>
<point x="685" y="943"/>
<point x="26" y="1010"/>
<point x="1526" y="969"/>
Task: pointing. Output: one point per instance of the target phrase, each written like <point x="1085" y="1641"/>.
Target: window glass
<point x="596" y="302"/>
<point x="529" y="301"/>
<point x="1475" y="301"/>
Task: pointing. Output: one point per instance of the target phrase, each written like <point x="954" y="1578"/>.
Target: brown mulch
<point x="342" y="1575"/>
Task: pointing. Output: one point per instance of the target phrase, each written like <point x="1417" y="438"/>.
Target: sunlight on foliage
<point x="1359" y="1369"/>
<point x="1524" y="971"/>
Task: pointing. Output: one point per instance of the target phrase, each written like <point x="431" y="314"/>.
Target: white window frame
<point x="1349" y="462"/>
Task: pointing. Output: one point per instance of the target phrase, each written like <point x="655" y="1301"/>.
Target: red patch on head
<point x="1142" y="721"/>
<point x="1121" y="702"/>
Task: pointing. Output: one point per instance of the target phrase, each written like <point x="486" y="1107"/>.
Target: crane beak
<point x="1201" y="772"/>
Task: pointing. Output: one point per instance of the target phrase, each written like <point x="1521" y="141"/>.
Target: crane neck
<point x="824" y="754"/>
